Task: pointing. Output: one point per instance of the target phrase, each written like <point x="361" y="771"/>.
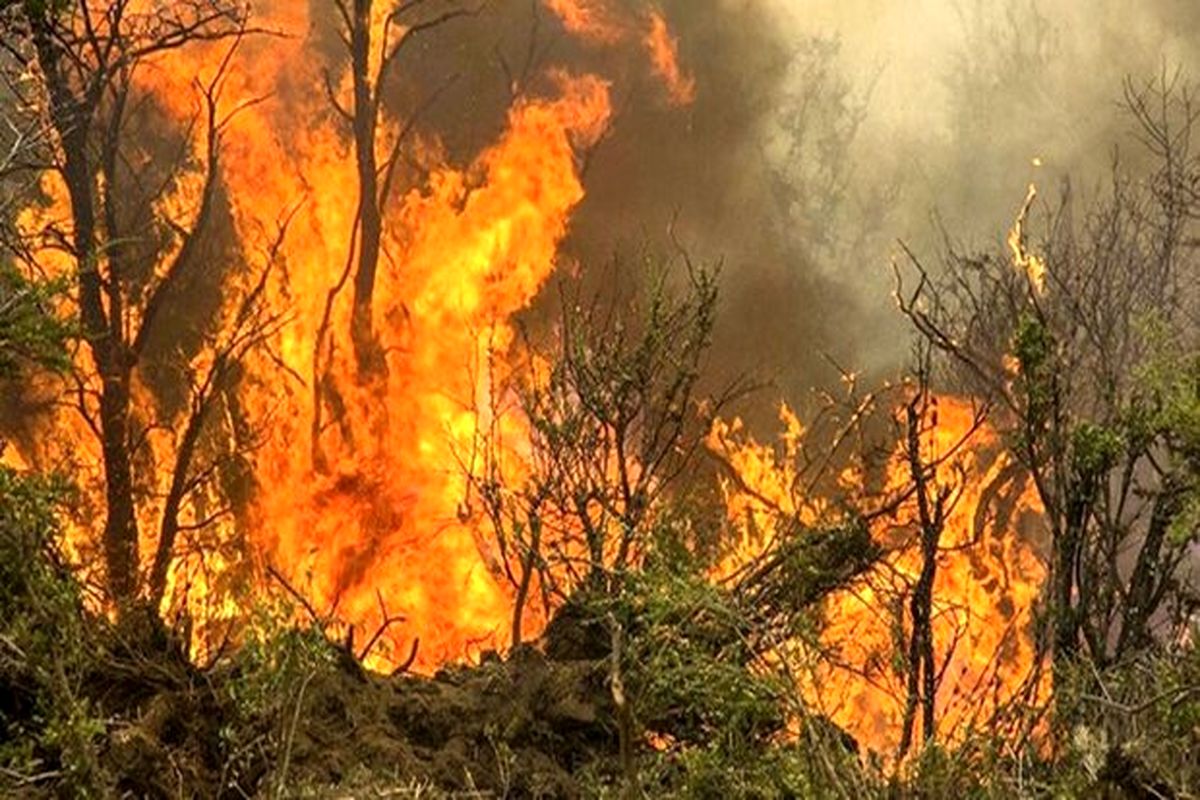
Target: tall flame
<point x="387" y="518"/>
<point x="381" y="530"/>
<point x="1030" y="264"/>
<point x="378" y="533"/>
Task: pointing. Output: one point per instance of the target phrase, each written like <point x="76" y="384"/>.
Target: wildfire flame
<point x="590" y="20"/>
<point x="378" y="531"/>
<point x="988" y="579"/>
<point x="664" y="56"/>
<point x="1031" y="264"/>
<point x="381" y="530"/>
<point x="389" y="509"/>
<point x="364" y="515"/>
<point x="596" y="22"/>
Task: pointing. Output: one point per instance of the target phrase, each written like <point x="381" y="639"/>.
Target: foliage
<point x="273" y="669"/>
<point x="275" y="658"/>
<point x="614" y="418"/>
<point x="709" y="714"/>
<point x="691" y="678"/>
<point x="1136" y="727"/>
<point x="48" y="726"/>
<point x="30" y="332"/>
<point x="686" y="669"/>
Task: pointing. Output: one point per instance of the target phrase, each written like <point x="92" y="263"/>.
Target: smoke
<point x="752" y="174"/>
<point x="970" y="92"/>
<point x="877" y="121"/>
<point x="820" y="134"/>
<point x="971" y="100"/>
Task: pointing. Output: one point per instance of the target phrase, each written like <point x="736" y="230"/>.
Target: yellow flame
<point x="664" y="58"/>
<point x="1032" y="265"/>
<point x="988" y="579"/>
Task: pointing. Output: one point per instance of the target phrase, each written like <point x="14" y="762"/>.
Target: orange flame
<point x="387" y="517"/>
<point x="1030" y="264"/>
<point x="988" y="580"/>
<point x="379" y="532"/>
<point x="594" y="21"/>
<point x="664" y="58"/>
<point x="590" y="20"/>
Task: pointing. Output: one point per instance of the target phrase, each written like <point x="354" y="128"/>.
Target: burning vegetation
<point x="331" y="461"/>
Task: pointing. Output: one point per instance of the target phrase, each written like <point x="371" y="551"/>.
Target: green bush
<point x="709" y="717"/>
<point x="46" y="723"/>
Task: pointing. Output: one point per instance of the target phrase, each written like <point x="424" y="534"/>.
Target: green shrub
<point x="46" y="723"/>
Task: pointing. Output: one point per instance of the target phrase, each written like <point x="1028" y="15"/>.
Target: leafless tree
<point x="374" y="56"/>
<point x="811" y="183"/>
<point x="75" y="69"/>
<point x="933" y="499"/>
<point x="403" y="24"/>
<point x="1088" y="350"/>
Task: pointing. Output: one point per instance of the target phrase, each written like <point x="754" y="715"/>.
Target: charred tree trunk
<point x="366" y="111"/>
<point x="922" y="671"/>
<point x="72" y="116"/>
<point x="120" y="527"/>
<point x="1068" y="551"/>
<point x="87" y="80"/>
<point x="529" y="563"/>
<point x="1149" y="571"/>
<point x="375" y="175"/>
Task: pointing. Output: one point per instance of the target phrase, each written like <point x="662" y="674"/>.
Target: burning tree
<point x="375" y="36"/>
<point x="128" y="219"/>
<point x="1088" y="351"/>
<point x="929" y="609"/>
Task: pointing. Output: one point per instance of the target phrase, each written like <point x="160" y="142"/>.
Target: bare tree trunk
<point x="529" y="563"/>
<point x="366" y="104"/>
<point x="922" y="673"/>
<point x="1135" y="631"/>
<point x="72" y="117"/>
<point x="1068" y="551"/>
<point x="120" y="527"/>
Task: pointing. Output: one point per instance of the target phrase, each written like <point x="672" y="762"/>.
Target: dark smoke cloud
<point x="706" y="171"/>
